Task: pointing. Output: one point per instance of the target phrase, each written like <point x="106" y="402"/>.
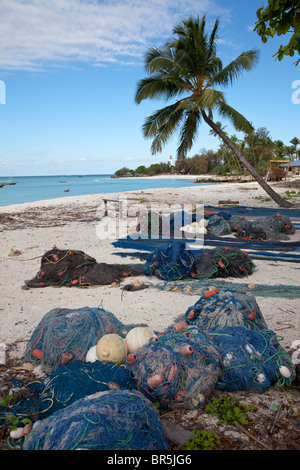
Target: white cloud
<point x="35" y="33"/>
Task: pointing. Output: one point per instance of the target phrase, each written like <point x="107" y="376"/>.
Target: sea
<point x="38" y="188"/>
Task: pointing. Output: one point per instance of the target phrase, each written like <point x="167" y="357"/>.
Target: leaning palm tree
<point x="188" y="68"/>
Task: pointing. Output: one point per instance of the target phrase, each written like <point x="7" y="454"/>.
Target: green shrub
<point x="203" y="440"/>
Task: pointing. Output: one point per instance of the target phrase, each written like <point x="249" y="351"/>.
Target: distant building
<point x="294" y="167"/>
<point x="170" y="160"/>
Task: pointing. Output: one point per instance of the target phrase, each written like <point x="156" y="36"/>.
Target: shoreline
<point x="249" y="193"/>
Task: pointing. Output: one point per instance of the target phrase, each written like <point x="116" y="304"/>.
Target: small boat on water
<point x="7" y="183"/>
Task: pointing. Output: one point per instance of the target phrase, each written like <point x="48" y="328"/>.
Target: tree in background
<point x="200" y="164"/>
<point x="295" y="152"/>
<point x="280" y="17"/>
<point x="188" y="66"/>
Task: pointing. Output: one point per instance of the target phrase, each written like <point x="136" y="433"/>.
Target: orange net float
<point x="211" y="293"/>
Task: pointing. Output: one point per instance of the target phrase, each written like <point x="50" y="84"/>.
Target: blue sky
<point x="70" y="69"/>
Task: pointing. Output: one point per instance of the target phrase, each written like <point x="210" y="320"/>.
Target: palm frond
<point x="244" y="61"/>
<point x="157" y="60"/>
<point x="237" y="119"/>
<point x="188" y="131"/>
<point x="210" y="98"/>
<point x="156" y="87"/>
<point x="166" y="118"/>
<point x="213" y="36"/>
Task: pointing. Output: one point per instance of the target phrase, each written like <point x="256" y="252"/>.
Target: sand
<point x="71" y="223"/>
<point x="43" y="224"/>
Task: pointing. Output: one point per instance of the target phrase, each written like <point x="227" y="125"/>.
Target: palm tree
<point x="295" y="142"/>
<point x="188" y="67"/>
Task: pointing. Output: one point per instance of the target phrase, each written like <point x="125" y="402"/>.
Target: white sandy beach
<point x="29" y="230"/>
<point x="21" y="310"/>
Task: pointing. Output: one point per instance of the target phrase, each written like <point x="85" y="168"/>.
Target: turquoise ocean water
<point x="38" y="188"/>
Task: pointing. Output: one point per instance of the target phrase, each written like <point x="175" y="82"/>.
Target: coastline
<point x="249" y="193"/>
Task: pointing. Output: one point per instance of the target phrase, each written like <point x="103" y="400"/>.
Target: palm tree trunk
<point x="278" y="199"/>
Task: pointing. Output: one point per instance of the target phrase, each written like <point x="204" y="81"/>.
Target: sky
<point x="69" y="71"/>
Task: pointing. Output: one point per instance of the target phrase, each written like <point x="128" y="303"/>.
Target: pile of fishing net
<point x="218" y="226"/>
<point x="275" y="227"/>
<point x="110" y="420"/>
<point x="170" y="261"/>
<point x="220" y="308"/>
<point x="222" y="262"/>
<point x="153" y="224"/>
<point x="65" y="385"/>
<point x="179" y="369"/>
<point x="180" y="224"/>
<point x="66" y="334"/>
<point x="252" y="359"/>
<point x="75" y="268"/>
<point x="222" y="342"/>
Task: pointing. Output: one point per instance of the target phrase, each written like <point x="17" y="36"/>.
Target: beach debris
<point x="227" y="202"/>
<point x="64" y="335"/>
<point x="109" y="420"/>
<point x="252" y="437"/>
<point x="115" y="284"/>
<point x="26" y="366"/>
<point x="274" y="407"/>
<point x="74" y="268"/>
<point x="14" y="253"/>
<point x="176" y="433"/>
<point x="186" y="290"/>
<point x="132" y="287"/>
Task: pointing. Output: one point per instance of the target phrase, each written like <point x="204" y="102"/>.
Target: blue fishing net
<point x="111" y="420"/>
<point x="252" y="359"/>
<point x="65" y="385"/>
<point x="170" y="261"/>
<point x="200" y="287"/>
<point x="178" y="370"/>
<point x="220" y="308"/>
<point x="67" y="334"/>
<point x="218" y="226"/>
